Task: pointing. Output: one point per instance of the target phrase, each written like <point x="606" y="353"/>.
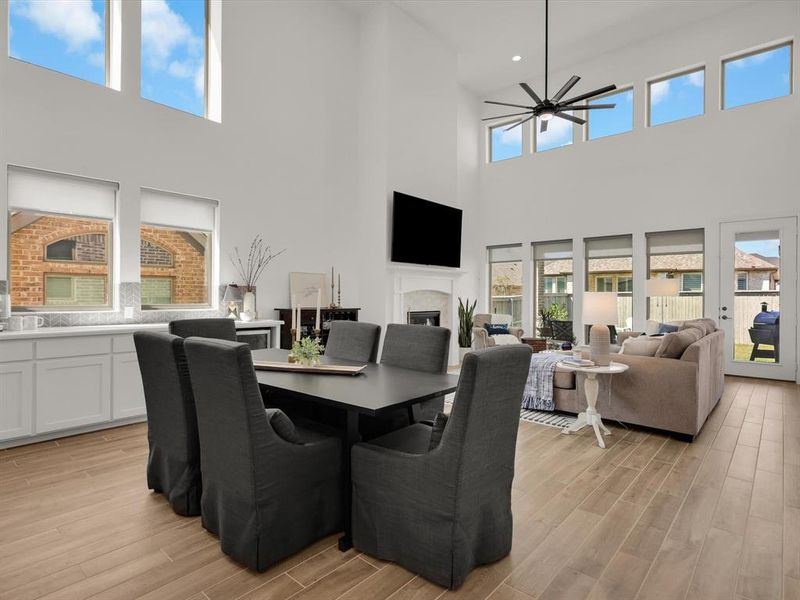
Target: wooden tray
<point x="268" y="365"/>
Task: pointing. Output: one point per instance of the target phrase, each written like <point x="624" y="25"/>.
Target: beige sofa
<point x="671" y="394"/>
<point x="481" y="338"/>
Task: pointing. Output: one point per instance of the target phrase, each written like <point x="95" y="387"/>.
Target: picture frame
<point x="303" y="289"/>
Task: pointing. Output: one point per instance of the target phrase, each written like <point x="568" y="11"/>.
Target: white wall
<point x="722" y="166"/>
<point x="282" y="163"/>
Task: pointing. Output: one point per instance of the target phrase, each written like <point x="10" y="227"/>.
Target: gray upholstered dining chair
<point x="173" y="467"/>
<point x="353" y="340"/>
<point x="269" y="488"/>
<point x="220" y="329"/>
<point x="439" y="507"/>
<point x="421" y="348"/>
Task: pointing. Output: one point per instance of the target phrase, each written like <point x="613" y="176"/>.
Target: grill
<point x="766" y="332"/>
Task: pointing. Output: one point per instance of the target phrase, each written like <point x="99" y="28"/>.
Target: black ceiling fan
<point x="552" y="107"/>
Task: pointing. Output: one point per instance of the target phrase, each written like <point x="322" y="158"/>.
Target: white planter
<point x="462" y="352"/>
<point x="249" y="305"/>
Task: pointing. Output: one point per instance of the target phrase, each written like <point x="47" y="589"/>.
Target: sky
<point x="758" y="77"/>
<point x="611" y="121"/>
<point x="506" y="144"/>
<point x="677" y="98"/>
<point x="769" y="248"/>
<point x="69" y="36"/>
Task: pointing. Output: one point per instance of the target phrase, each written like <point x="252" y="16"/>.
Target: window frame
<point x="666" y="77"/>
<point x="111" y="48"/>
<point x="489" y="145"/>
<point x="746" y="287"/>
<point x="588" y="114"/>
<point x="44" y="308"/>
<point x="753" y="52"/>
<point x="683" y="289"/>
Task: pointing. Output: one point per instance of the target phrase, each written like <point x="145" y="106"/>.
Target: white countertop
<point x="118" y="328"/>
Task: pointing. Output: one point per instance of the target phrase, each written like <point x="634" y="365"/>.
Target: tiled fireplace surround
<point x="129" y="296"/>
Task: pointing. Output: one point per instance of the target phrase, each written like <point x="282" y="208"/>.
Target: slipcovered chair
<point x="439" y="506"/>
<point x="269" y="488"/>
<point x="219" y="329"/>
<point x="415" y="347"/>
<point x="173" y="467"/>
<point x="480" y="335"/>
<point x="352" y="340"/>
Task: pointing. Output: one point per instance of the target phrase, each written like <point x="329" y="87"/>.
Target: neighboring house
<point x="65" y="262"/>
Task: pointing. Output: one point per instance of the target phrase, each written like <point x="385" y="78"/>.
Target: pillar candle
<point x="294" y="315"/>
<point x="319" y="299"/>
<point x="299" y="320"/>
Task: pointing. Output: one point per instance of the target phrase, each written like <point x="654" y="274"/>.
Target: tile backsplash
<point x="129" y="295"/>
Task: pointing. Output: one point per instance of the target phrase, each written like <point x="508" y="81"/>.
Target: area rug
<point x="550" y="419"/>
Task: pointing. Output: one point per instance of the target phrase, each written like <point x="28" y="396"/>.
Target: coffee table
<point x="590" y="417"/>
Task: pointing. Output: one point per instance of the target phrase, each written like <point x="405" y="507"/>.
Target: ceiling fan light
<point x="547" y="115"/>
<point x="516" y="58"/>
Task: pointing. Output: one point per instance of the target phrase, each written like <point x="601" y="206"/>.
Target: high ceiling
<point x="487" y="33"/>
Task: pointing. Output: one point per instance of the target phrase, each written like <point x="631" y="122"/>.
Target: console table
<point x="307" y="318"/>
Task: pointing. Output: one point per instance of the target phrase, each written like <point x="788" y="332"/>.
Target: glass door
<point x="758" y="279"/>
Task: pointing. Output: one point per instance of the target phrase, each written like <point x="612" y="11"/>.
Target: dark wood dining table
<point x="375" y="391"/>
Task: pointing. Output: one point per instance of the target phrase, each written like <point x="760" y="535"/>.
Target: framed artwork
<point x="303" y="287"/>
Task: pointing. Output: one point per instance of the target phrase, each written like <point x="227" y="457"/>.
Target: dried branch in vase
<point x="258" y="258"/>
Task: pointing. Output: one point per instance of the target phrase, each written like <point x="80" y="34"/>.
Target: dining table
<point x="375" y="391"/>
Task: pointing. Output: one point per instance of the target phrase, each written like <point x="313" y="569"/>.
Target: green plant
<point x="466" y="313"/>
<point x="556" y="312"/>
<point x="307" y="351"/>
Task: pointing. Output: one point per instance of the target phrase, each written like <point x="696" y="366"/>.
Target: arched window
<point x="84" y="248"/>
<point x="153" y="255"/>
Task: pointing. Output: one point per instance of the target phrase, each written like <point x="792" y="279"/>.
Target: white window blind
<point x="168" y="209"/>
<point x="498" y="254"/>
<point x="552" y="250"/>
<point x="46" y="192"/>
<point x="609" y="247"/>
<point x="675" y="242"/>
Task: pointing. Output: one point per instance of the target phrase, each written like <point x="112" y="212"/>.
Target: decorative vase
<point x="249" y="305"/>
<point x="462" y="352"/>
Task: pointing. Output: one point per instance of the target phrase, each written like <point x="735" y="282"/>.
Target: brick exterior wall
<point x="168" y="254"/>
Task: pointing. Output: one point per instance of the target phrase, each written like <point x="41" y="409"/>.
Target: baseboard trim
<point x="62" y="433"/>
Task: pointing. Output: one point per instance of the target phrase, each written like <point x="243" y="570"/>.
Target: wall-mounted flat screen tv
<point x="425" y="232"/>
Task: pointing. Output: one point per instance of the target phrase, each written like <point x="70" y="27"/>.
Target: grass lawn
<point x="743" y="353"/>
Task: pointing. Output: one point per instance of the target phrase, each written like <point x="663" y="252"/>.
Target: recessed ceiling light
<point x="516" y="58"/>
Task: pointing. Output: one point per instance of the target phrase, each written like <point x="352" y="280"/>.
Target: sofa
<point x="480" y="335"/>
<point x="670" y="394"/>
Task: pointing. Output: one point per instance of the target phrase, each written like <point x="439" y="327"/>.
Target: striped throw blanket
<point x="539" y="387"/>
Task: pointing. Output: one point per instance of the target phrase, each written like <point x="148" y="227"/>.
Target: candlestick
<point x="333" y="304"/>
<point x="294" y="306"/>
<point x="339" y="297"/>
<point x="299" y="321"/>
<point x="319" y="300"/>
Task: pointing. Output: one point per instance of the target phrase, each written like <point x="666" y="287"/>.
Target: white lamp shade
<point x="599" y="308"/>
<point x="663" y="287"/>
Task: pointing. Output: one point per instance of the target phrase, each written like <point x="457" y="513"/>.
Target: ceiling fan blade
<point x="567" y="87"/>
<point x="597" y="92"/>
<point x="543" y="126"/>
<point x="586" y="106"/>
<point x="527" y="112"/>
<point x="507" y="104"/>
<point x="518" y="123"/>
<point x="530" y="92"/>
<point x="561" y="115"/>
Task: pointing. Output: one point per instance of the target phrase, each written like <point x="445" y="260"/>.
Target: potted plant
<point x="466" y="313"/>
<point x="249" y="271"/>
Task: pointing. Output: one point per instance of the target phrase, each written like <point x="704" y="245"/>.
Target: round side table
<point x="592" y="418"/>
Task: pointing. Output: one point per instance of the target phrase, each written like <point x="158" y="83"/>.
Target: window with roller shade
<point x="60" y="250"/>
<point x="505" y="281"/>
<point x="609" y="268"/>
<point x="678" y="255"/>
<point x="552" y="273"/>
<point x="175" y="252"/>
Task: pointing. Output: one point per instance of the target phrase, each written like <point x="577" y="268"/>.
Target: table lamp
<point x="599" y="309"/>
<point x="662" y="287"/>
<point x="233" y="295"/>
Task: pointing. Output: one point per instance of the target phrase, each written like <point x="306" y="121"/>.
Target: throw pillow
<point x="282" y="425"/>
<point x="498" y="329"/>
<point x="666" y="328"/>
<point x="674" y="344"/>
<point x="641" y="346"/>
<point x="706" y="326"/>
<point x="437" y="430"/>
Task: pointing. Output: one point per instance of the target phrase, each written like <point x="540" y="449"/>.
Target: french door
<point x="758" y="297"/>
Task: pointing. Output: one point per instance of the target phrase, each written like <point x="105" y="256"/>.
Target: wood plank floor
<point x="649" y="517"/>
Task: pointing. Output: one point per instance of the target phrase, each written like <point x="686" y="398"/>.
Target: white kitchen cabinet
<point x="128" y="393"/>
<point x="16" y="399"/>
<point x="71" y="392"/>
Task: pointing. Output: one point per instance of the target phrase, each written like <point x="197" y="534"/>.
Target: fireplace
<point x="423" y="317"/>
